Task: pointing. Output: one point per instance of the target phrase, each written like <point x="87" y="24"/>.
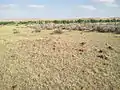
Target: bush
<point x="117" y="30"/>
<point x="15" y="31"/>
<point x="36" y="31"/>
<point x="57" y="31"/>
<point x="36" y="28"/>
<point x="107" y="28"/>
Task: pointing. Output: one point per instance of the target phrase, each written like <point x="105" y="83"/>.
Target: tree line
<point x="61" y="21"/>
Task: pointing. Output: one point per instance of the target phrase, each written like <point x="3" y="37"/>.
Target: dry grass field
<point x="72" y="60"/>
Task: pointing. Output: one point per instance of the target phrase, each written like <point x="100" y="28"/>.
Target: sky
<point x="52" y="9"/>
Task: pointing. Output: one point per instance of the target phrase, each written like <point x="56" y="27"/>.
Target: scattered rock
<point x="100" y="51"/>
<point x="12" y="56"/>
<point x="13" y="87"/>
<point x="82" y="43"/>
<point x="110" y="47"/>
<point x="103" y="57"/>
<point x="81" y="50"/>
<point x="73" y="55"/>
<point x="58" y="50"/>
<point x="38" y="75"/>
<point x="54" y="48"/>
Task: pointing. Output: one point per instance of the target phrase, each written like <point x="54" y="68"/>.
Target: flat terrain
<point x="73" y="60"/>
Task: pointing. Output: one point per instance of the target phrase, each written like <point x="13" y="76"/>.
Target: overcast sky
<point x="58" y="8"/>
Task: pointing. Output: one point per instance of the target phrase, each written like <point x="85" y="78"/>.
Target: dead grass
<point x="70" y="61"/>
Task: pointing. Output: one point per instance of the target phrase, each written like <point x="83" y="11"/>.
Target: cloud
<point x="36" y="6"/>
<point x="105" y="1"/>
<point x="7" y="6"/>
<point x="111" y="5"/>
<point x="108" y="3"/>
<point x="89" y="7"/>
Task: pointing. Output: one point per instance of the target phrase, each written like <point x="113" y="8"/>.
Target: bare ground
<point x="71" y="61"/>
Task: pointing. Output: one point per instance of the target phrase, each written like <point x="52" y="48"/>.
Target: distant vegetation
<point x="7" y="22"/>
<point x="91" y="20"/>
<point x="89" y="24"/>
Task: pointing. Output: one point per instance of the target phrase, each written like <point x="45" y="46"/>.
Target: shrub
<point x="57" y="31"/>
<point x="37" y="30"/>
<point x="117" y="30"/>
<point x="15" y="31"/>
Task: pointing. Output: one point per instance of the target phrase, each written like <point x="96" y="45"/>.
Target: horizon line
<point x="27" y="19"/>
